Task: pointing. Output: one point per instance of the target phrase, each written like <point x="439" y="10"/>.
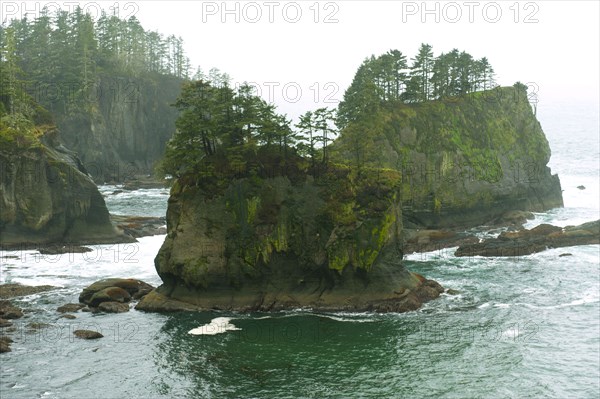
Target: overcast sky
<point x="286" y="47"/>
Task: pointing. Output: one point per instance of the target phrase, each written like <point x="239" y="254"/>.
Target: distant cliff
<point x="46" y="197"/>
<point x="123" y="127"/>
<point x="464" y="160"/>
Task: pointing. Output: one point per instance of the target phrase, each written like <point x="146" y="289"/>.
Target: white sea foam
<point x="589" y="298"/>
<point x="216" y="326"/>
<point x="346" y="317"/>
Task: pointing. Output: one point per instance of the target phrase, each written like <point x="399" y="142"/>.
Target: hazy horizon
<point x="304" y="54"/>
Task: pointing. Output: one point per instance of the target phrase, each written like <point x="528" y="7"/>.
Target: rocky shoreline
<point x="511" y="238"/>
<point x="537" y="239"/>
<point x="112" y="295"/>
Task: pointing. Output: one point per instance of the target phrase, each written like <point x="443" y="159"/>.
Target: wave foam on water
<point x="589" y="298"/>
<point x="216" y="326"/>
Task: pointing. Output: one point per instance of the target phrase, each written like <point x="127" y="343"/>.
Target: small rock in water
<point x="9" y="311"/>
<point x="38" y="326"/>
<point x="111" y="294"/>
<point x="582" y="187"/>
<point x="5" y="323"/>
<point x="87" y="334"/>
<point x="14" y="290"/>
<point x="68" y="316"/>
<point x="70" y="308"/>
<point x="4" y="347"/>
<point x="112" y="289"/>
<point x="565" y="254"/>
<point x="450" y="291"/>
<point x="113" y="307"/>
<point x="65" y="249"/>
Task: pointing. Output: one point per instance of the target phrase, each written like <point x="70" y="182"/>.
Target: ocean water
<point x="519" y="327"/>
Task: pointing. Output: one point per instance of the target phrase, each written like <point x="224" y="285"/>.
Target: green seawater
<point x="525" y="327"/>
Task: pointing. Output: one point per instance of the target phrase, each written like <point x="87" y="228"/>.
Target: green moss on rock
<point x="461" y="155"/>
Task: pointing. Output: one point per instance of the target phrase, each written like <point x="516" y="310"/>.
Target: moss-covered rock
<point x="328" y="241"/>
<point x="46" y="196"/>
<point x="465" y="160"/>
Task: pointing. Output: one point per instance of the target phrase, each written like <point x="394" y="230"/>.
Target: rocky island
<point x="264" y="215"/>
<point x="264" y="228"/>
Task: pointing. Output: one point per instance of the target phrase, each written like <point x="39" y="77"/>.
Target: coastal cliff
<point x="46" y="196"/>
<point x="464" y="160"/>
<point x="122" y="130"/>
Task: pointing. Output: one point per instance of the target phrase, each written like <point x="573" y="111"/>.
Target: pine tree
<point x="323" y="123"/>
<point x="307" y="129"/>
<point x="421" y="70"/>
<point x="10" y="72"/>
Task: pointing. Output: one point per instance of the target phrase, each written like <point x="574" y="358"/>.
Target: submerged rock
<point x="87" y="334"/>
<point x="64" y="249"/>
<point x="5" y="323"/>
<point x="5" y="344"/>
<point x="10" y="311"/>
<point x="70" y="308"/>
<point x="38" y="326"/>
<point x="15" y="290"/>
<point x="113" y="307"/>
<point x="538" y="239"/>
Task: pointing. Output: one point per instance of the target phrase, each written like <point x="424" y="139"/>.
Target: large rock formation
<point x="46" y="197"/>
<point x="124" y="129"/>
<point x="332" y="239"/>
<point x="328" y="242"/>
<point x="464" y="161"/>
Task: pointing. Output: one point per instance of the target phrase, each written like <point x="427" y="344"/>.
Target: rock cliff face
<point x="466" y="161"/>
<point x="329" y="242"/>
<point x="123" y="129"/>
<point x="46" y="197"/>
<point x="333" y="240"/>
